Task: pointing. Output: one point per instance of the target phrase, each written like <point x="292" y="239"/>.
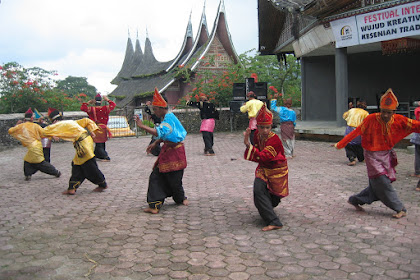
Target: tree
<point x="282" y="77"/>
<point x="73" y="86"/>
<point x="21" y="88"/>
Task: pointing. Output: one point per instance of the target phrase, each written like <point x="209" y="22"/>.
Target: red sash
<point x="171" y="157"/>
<point x="276" y="179"/>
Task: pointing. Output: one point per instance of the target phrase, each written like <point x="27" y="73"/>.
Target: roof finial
<point x="128" y="32"/>
<point x="137" y="31"/>
<point x="147" y="33"/>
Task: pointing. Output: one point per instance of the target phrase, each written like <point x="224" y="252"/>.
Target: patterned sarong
<point x="171" y="157"/>
<point x="277" y="179"/>
<point x="287" y="130"/>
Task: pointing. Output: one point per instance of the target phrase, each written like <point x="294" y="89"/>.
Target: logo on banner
<point x="346" y="33"/>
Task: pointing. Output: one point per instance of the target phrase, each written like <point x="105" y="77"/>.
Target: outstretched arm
<point x="146" y="128"/>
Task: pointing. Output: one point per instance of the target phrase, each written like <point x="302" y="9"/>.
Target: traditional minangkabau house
<point x="141" y="72"/>
<point x="349" y="50"/>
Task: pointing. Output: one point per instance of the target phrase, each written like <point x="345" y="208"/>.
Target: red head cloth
<point x="251" y="94"/>
<point x="264" y="116"/>
<point x="158" y="100"/>
<point x="255" y="76"/>
<point x="29" y="112"/>
<point x="53" y="113"/>
<point x="389" y="101"/>
<point x="98" y="97"/>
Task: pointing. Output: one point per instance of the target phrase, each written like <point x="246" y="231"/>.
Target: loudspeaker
<point x="235" y="106"/>
<point x="250" y="85"/>
<point x="238" y="92"/>
<point x="261" y="90"/>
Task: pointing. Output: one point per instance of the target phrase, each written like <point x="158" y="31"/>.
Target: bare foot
<point x="151" y="210"/>
<point x="415" y="175"/>
<point x="418" y="189"/>
<point x="352" y="163"/>
<point x="358" y="207"/>
<point x="70" y="192"/>
<point x="185" y="202"/>
<point x="99" y="189"/>
<point x="270" y="227"/>
<point x="400" y="214"/>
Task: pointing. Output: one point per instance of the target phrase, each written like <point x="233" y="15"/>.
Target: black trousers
<point x="417" y="159"/>
<point x="251" y="137"/>
<point x="163" y="185"/>
<point x="379" y="188"/>
<point x="354" y="151"/>
<point x="208" y="140"/>
<point x="31" y="168"/>
<point x="88" y="170"/>
<point x="100" y="151"/>
<point x="265" y="203"/>
<point x="47" y="154"/>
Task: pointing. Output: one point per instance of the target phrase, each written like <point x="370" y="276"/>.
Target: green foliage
<point x="21" y="88"/>
<point x="283" y="78"/>
<point x="148" y="123"/>
<point x="73" y="86"/>
<point x="216" y="85"/>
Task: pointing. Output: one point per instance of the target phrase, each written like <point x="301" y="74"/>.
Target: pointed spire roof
<point x="151" y="73"/>
<point x="125" y="68"/>
<point x="221" y="30"/>
<point x="202" y="37"/>
<point x="186" y="46"/>
<point x="137" y="60"/>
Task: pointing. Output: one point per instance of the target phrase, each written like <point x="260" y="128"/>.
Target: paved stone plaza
<point x="46" y="235"/>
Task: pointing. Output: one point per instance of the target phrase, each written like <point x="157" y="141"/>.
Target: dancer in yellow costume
<point x="84" y="165"/>
<point x="30" y="134"/>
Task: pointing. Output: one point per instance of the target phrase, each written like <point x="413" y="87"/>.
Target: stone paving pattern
<point x="46" y="235"/>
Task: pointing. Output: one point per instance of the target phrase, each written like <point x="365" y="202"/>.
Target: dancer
<point x="271" y="175"/>
<point x="287" y="125"/>
<point x="251" y="107"/>
<point x="168" y="170"/>
<point x="208" y="114"/>
<point x="84" y="165"/>
<point x="380" y="132"/>
<point x="30" y="135"/>
<point x="354" y="117"/>
<point x="100" y="115"/>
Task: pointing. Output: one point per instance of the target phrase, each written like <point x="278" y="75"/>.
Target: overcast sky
<point x="87" y="38"/>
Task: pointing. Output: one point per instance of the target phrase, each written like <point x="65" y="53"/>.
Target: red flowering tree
<point x="282" y="77"/>
<point x="216" y="85"/>
<point x="21" y="88"/>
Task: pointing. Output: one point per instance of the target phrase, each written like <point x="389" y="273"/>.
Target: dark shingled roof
<point x="129" y="89"/>
<point x="150" y="73"/>
<point x="124" y="72"/>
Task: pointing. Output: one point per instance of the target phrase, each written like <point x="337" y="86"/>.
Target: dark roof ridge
<point x="129" y="53"/>
<point x="199" y="38"/>
<point x="186" y="45"/>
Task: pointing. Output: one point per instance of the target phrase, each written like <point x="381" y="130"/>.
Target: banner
<point x="345" y="32"/>
<point x="387" y="24"/>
